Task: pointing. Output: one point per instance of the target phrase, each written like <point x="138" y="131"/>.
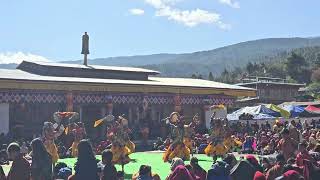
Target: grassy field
<point x="148" y="158"/>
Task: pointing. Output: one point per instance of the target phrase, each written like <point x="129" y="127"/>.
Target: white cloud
<point x="18" y="57"/>
<point x="158" y="4"/>
<point x="136" y="11"/>
<point x="231" y="3"/>
<point x="190" y="18"/>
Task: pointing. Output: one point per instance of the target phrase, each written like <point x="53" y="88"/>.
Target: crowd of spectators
<point x="280" y="150"/>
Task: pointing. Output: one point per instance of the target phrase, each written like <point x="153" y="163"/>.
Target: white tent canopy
<point x="255" y="111"/>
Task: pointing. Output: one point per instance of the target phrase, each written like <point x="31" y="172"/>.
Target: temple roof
<point x="96" y="67"/>
<point x="271" y="83"/>
<point x="27" y="80"/>
<point x="90" y="71"/>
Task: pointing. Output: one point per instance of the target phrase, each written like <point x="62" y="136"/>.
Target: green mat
<point x="153" y="159"/>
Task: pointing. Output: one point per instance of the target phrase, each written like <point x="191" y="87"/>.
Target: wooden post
<point x="69" y="99"/>
<point x="177" y="103"/>
<point x="81" y="113"/>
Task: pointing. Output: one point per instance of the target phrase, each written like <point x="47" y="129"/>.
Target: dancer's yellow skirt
<point x="216" y="150"/>
<point x="181" y="151"/>
<point x="120" y="154"/>
<point x="188" y="143"/>
<point x="131" y="146"/>
<point x="74" y="149"/>
<point x="238" y="143"/>
<point x="229" y="143"/>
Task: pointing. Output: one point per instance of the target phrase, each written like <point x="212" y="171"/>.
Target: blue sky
<point x="52" y="29"/>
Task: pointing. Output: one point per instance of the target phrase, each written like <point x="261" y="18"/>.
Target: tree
<point x="276" y="70"/>
<point x="297" y="68"/>
<point x="250" y="68"/>
<point x="317" y="60"/>
<point x="210" y="77"/>
<point x="313" y="89"/>
<point x="225" y="76"/>
<point x="315" y="77"/>
<point x="194" y="76"/>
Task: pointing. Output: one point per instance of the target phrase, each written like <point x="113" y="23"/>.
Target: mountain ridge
<point x="202" y="62"/>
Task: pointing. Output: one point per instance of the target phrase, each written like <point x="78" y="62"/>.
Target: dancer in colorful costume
<point x="79" y="133"/>
<point x="126" y="131"/>
<point x="181" y="134"/>
<point x="188" y="139"/>
<point x="230" y="141"/>
<point x="49" y="134"/>
<point x="51" y="131"/>
<point x="217" y="147"/>
<point x="220" y="139"/>
<point x="118" y="133"/>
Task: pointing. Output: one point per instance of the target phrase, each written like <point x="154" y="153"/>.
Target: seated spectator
<point x="64" y="173"/>
<point x="288" y="167"/>
<point x="120" y="175"/>
<point x="270" y="148"/>
<point x="249" y="165"/>
<point x="41" y="166"/>
<point x="176" y="162"/>
<point x="312" y="143"/>
<point x="259" y="176"/>
<point x="291" y="161"/>
<point x="290" y="175"/>
<point x="277" y="169"/>
<point x="109" y="171"/>
<point x="180" y="173"/>
<point x="303" y="154"/>
<point x="230" y="159"/>
<point x="310" y="170"/>
<point x="220" y="170"/>
<point x="266" y="165"/>
<point x="254" y="162"/>
<point x="247" y="145"/>
<point x="24" y="148"/>
<point x="20" y="169"/>
<point x="2" y="175"/>
<point x="158" y="145"/>
<point x="198" y="170"/>
<point x="317" y="147"/>
<point x="191" y="170"/>
<point x="145" y="173"/>
<point x="141" y="173"/>
<point x="57" y="168"/>
<point x="3" y="157"/>
<point x="86" y="166"/>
